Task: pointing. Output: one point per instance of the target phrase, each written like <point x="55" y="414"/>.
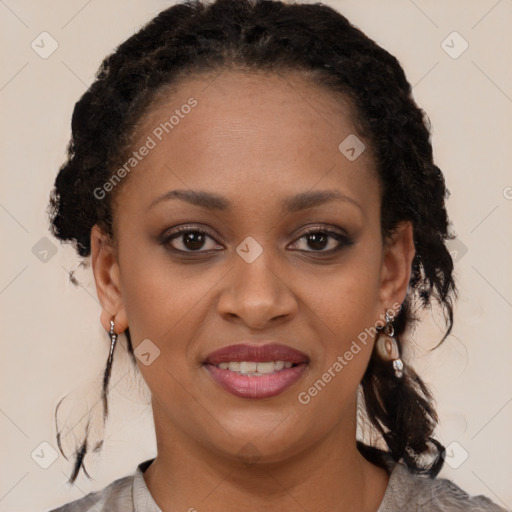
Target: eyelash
<point x="343" y="240"/>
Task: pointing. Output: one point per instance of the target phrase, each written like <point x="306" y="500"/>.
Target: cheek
<point x="344" y="306"/>
<point x="159" y="296"/>
<point x="164" y="307"/>
<point x="344" y="317"/>
<point x="346" y="299"/>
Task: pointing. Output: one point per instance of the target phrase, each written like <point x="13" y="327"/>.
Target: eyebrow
<point x="294" y="203"/>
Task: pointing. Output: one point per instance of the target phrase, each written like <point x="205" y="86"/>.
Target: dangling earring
<point x="387" y="346"/>
<point x="108" y="368"/>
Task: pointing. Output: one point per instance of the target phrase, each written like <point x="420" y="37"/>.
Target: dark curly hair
<point x="269" y="35"/>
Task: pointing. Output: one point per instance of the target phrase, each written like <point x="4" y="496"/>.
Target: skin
<point x="255" y="139"/>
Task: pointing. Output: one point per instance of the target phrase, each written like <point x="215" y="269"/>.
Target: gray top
<point x="405" y="492"/>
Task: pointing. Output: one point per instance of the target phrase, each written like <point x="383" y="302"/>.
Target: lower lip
<point x="247" y="386"/>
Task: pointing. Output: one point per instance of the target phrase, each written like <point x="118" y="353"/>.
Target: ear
<point x="396" y="265"/>
<point x="107" y="278"/>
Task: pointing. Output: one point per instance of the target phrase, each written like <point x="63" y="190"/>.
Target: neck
<point x="331" y="475"/>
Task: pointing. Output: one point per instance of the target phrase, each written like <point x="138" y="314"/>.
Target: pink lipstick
<point x="256" y="371"/>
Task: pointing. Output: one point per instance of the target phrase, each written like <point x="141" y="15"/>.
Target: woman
<point x="255" y="188"/>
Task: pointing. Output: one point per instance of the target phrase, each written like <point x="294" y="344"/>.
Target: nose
<point x="258" y="294"/>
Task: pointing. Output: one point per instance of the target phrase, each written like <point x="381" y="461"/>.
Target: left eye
<point x="319" y="239"/>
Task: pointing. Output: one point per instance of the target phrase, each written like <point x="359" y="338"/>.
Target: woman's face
<point x="254" y="161"/>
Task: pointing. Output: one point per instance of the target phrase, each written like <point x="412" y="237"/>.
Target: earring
<point x="387" y="346"/>
<point x="108" y="368"/>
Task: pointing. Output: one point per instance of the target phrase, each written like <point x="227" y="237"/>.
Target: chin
<point x="267" y="445"/>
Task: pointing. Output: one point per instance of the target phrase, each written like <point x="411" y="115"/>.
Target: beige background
<point x="52" y="342"/>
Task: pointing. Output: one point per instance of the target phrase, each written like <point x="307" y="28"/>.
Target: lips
<point x="257" y="353"/>
<point x="256" y="371"/>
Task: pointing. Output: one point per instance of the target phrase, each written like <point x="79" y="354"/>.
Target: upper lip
<point x="257" y="353"/>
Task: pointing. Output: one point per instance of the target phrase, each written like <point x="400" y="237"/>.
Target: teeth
<point x="266" y="367"/>
<point x="255" y="368"/>
<point x="247" y="367"/>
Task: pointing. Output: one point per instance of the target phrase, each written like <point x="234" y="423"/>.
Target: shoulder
<point x="411" y="492"/>
<point x="114" y="497"/>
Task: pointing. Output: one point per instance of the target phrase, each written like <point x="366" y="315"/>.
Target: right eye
<point x="190" y="238"/>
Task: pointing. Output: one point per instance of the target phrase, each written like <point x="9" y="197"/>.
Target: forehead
<point x="235" y="130"/>
<point x="246" y="104"/>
